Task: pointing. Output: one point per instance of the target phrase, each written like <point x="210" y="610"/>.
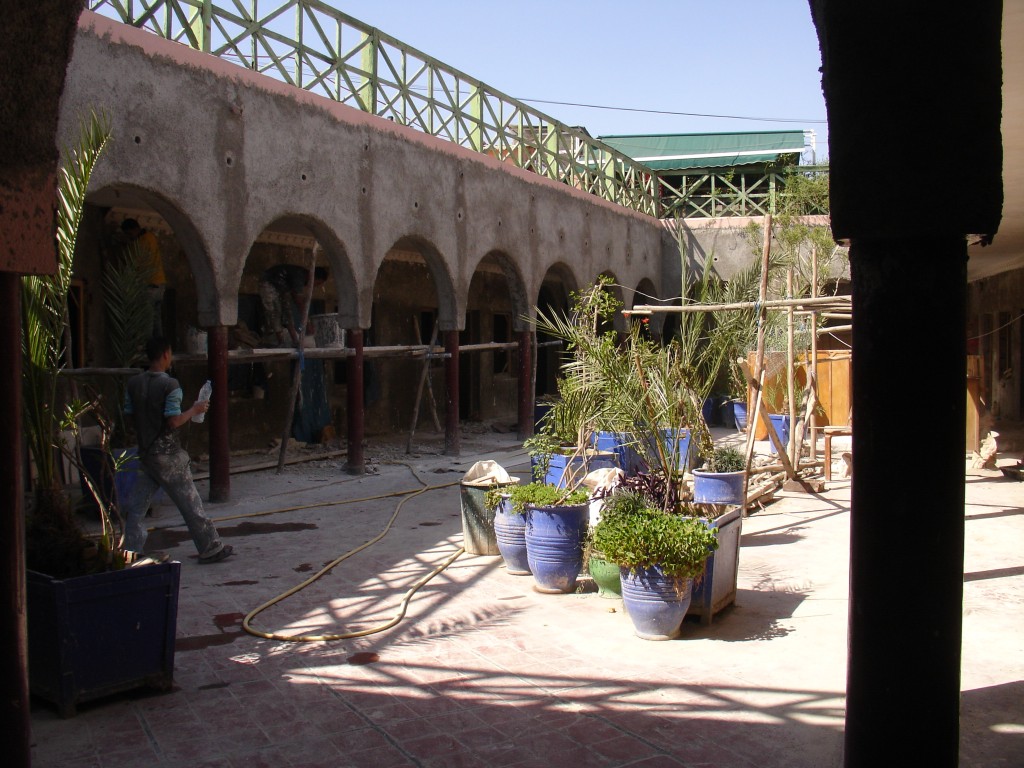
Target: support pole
<point x="526" y="390"/>
<point x="355" y="465"/>
<point x="217" y="417"/>
<point x="792" y="448"/>
<point x="452" y="442"/>
<point x="904" y="648"/>
<point x="293" y="395"/>
<point x="812" y="421"/>
<point x="14" y="635"/>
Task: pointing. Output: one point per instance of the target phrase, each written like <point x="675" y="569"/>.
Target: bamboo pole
<point x="812" y="375"/>
<point x="792" y="447"/>
<point x="760" y="412"/>
<point x="840" y="301"/>
<point x="424" y="375"/>
<point x="293" y="396"/>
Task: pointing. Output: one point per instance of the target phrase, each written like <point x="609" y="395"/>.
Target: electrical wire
<point x="671" y="112"/>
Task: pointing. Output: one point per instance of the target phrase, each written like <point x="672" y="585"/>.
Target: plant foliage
<point x="54" y="541"/>
<point x="636" y="535"/>
<point x="726" y="459"/>
<point x="537" y="494"/>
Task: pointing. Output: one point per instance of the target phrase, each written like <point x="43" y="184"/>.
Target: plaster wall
<point x="222" y="153"/>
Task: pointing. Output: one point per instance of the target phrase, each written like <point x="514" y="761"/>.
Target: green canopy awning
<point x="683" y="151"/>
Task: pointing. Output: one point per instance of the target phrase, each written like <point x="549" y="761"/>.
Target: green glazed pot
<point x="606" y="576"/>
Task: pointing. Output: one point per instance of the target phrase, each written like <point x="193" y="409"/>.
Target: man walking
<point x="153" y="402"/>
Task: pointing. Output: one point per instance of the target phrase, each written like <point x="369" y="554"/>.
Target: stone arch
<point x="646" y="293"/>
<point x="100" y="238"/>
<point x="449" y="316"/>
<point x="521" y="305"/>
<point x="618" y="291"/>
<point x="307" y="232"/>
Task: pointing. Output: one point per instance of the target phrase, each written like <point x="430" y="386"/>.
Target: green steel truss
<point x="308" y="44"/>
<point x="720" y="193"/>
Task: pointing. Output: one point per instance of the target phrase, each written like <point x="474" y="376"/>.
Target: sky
<point x="752" y="63"/>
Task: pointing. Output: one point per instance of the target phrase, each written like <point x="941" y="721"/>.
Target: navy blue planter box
<point x="717" y="589"/>
<point x="92" y="636"/>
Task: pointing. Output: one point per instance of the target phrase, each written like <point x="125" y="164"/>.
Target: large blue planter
<point x="114" y="487"/>
<point x="656" y="603"/>
<point x="719" y="487"/>
<point x="780" y="424"/>
<point x="709" y="411"/>
<point x="557" y="474"/>
<point x="554" y="545"/>
<point x="621" y="446"/>
<point x="92" y="636"/>
<point x="676" y="441"/>
<point x="739" y="412"/>
<point x="510" y="536"/>
<point x="716" y="589"/>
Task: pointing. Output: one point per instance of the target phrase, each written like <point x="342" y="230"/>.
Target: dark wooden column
<point x="356" y="464"/>
<point x="13" y="636"/>
<point x="452" y="439"/>
<point x="526" y="390"/>
<point x="217" y="416"/>
<point x="906" y="542"/>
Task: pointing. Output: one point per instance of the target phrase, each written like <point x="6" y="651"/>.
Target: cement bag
<point x="487" y="472"/>
<point x="601" y="480"/>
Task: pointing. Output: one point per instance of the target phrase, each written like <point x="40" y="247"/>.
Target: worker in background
<point x="284" y="290"/>
<point x="150" y="262"/>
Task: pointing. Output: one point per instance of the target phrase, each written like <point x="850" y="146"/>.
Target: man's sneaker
<point x="221" y="554"/>
<point x="150" y="558"/>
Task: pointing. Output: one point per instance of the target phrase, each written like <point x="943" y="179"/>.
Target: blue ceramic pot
<point x="739" y="412"/>
<point x="676" y="442"/>
<point x="718" y="487"/>
<point x="557" y="474"/>
<point x="554" y="545"/>
<point x="780" y="424"/>
<point x="510" y="536"/>
<point x="620" y="445"/>
<point x="656" y="603"/>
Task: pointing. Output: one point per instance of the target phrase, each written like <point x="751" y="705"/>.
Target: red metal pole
<point x="14" y="636"/>
<point x="356" y="464"/>
<point x="452" y="443"/>
<point x="217" y="416"/>
<point x="526" y="393"/>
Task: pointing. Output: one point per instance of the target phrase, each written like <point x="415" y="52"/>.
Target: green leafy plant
<point x="636" y="535"/>
<point x="129" y="308"/>
<point x="540" y="447"/>
<point x="54" y="541"/>
<point x="726" y="459"/>
<point x="535" y="494"/>
<point x="129" y="322"/>
<point x="635" y="387"/>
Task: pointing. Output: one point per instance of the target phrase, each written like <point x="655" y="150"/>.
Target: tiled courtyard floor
<point x="484" y="671"/>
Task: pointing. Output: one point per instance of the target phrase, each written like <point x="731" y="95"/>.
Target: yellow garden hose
<point x="403" y="605"/>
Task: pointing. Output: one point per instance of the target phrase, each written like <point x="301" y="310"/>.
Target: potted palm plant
<point x="659" y="555"/>
<point x="95" y="627"/>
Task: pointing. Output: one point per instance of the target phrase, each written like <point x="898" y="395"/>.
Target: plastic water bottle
<point x="204" y="395"/>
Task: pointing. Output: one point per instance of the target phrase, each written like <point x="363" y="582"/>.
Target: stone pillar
<point x="526" y="391"/>
<point x="452" y="441"/>
<point x="906" y="536"/>
<point x="356" y="464"/>
<point x="217" y="416"/>
<point x="14" y="636"/>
